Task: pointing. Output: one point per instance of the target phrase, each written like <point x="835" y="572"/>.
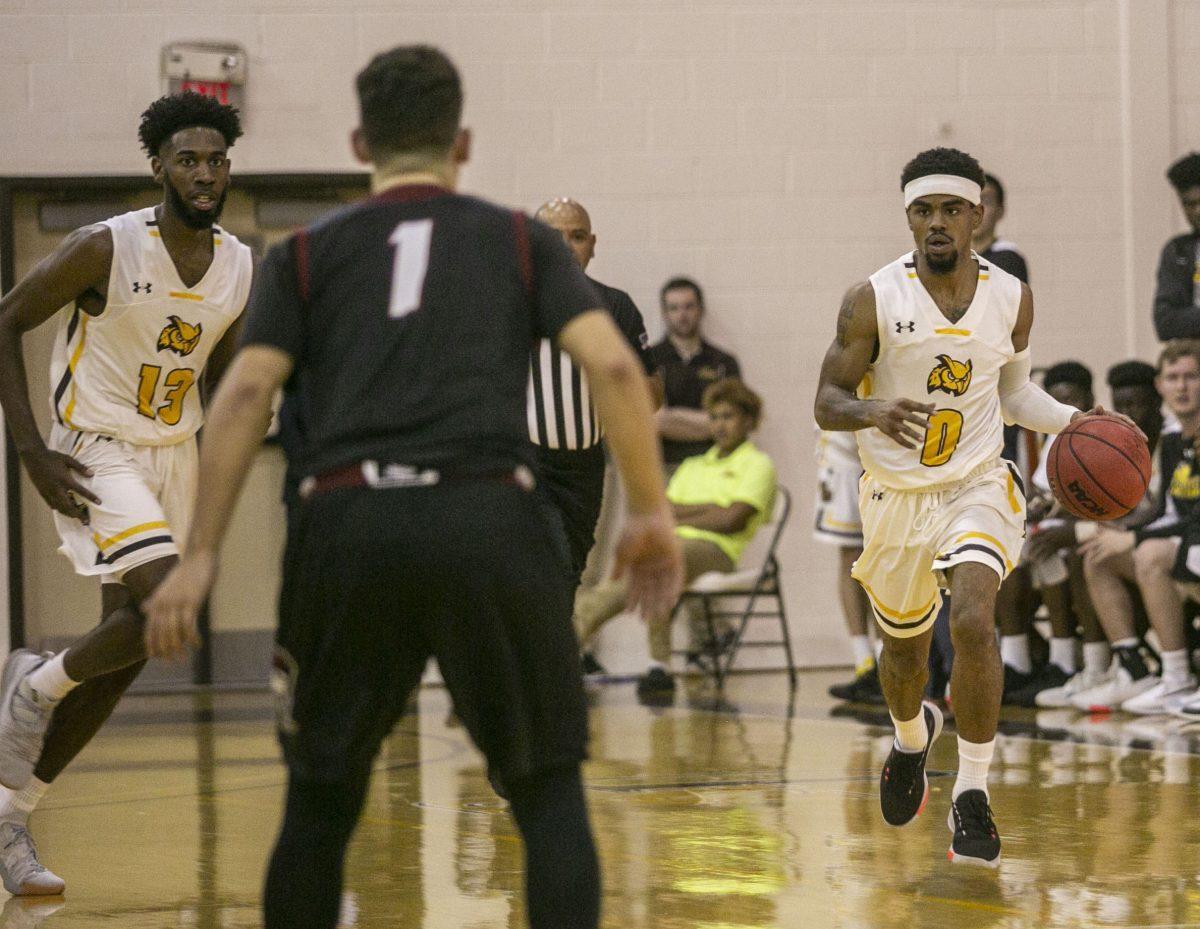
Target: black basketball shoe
<point x="976" y="840"/>
<point x="903" y="786"/>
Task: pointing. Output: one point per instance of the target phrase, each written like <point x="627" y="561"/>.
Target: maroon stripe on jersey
<point x="524" y="259"/>
<point x="300" y="254"/>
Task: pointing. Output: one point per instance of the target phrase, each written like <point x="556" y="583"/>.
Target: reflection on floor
<point x="716" y="813"/>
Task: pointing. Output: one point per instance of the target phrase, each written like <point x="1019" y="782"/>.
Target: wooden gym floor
<point x="737" y="813"/>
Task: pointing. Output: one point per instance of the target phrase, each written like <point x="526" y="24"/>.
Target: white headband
<point x="950" y="184"/>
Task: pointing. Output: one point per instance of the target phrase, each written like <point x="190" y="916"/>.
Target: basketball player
<point x="402" y="327"/>
<point x="940" y="509"/>
<point x="152" y="297"/>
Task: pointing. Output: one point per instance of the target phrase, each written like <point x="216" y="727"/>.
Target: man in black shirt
<point x="987" y="243"/>
<point x="401" y="327"/>
<point x="688" y="365"/>
<point x="1177" y="296"/>
<point x="562" y="419"/>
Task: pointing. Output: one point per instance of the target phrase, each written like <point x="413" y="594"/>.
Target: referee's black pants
<point x="572" y="483"/>
<point x="375" y="583"/>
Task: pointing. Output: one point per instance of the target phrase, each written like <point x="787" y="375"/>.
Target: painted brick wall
<point x="755" y="145"/>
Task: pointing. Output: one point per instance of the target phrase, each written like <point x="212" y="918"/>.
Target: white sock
<point x="862" y="651"/>
<point x="16" y="805"/>
<point x="974" y="759"/>
<point x="912" y="735"/>
<point x="1014" y="652"/>
<point x="657" y="664"/>
<point x="1130" y="642"/>
<point x="878" y="649"/>
<point x="1062" y="653"/>
<point x="1175" y="668"/>
<point x="1097" y="656"/>
<point x="51" y="680"/>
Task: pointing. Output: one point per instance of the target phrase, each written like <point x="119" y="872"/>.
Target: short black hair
<point x="1132" y="374"/>
<point x="410" y="99"/>
<point x="167" y="115"/>
<point x="995" y="182"/>
<point x="1068" y="372"/>
<point x="1185" y="172"/>
<point x="943" y="161"/>
<point x="676" y="283"/>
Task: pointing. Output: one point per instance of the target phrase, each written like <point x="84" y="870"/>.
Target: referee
<point x="401" y="328"/>
<point x="562" y="418"/>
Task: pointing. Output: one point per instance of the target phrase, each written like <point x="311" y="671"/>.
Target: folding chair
<point x="755" y="582"/>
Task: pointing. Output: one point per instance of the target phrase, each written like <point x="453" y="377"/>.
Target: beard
<point x="942" y="265"/>
<point x="189" y="215"/>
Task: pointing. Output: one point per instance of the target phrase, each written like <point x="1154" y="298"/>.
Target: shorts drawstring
<point x="930" y="503"/>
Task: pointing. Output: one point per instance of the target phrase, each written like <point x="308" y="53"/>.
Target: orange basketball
<point x="1099" y="467"/>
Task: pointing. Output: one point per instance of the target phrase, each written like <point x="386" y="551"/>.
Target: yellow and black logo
<point x="950" y="376"/>
<point x="179" y="337"/>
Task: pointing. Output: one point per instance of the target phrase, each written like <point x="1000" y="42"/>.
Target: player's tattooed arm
<point x="846" y="363"/>
<point x="80" y="265"/>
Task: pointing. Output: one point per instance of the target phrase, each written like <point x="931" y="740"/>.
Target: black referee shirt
<point x="684" y="383"/>
<point x="410" y="317"/>
<point x="559" y="406"/>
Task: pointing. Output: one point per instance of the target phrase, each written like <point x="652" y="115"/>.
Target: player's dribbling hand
<point x="54" y="476"/>
<point x="1101" y="411"/>
<point x="649" y="554"/>
<point x="174" y="607"/>
<point x="903" y="421"/>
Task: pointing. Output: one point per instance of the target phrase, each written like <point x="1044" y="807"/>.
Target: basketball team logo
<point x="952" y="377"/>
<point x="180" y="337"/>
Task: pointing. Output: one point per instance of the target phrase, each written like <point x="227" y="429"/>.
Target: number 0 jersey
<point x="131" y="371"/>
<point x="956" y="366"/>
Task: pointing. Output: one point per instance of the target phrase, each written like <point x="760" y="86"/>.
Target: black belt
<point x="379" y="476"/>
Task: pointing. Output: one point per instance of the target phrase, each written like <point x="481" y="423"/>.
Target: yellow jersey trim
<point x="896" y="614"/>
<point x="987" y="538"/>
<point x="952" y="331"/>
<point x="184" y="295"/>
<point x="71" y="367"/>
<point x="102" y="544"/>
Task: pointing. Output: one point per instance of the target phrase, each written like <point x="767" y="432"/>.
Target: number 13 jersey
<point x="956" y="366"/>
<point x="131" y="372"/>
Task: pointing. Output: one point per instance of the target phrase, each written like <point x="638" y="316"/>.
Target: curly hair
<point x="1132" y="374"/>
<point x="943" y="161"/>
<point x="732" y="391"/>
<point x="1185" y="172"/>
<point x="167" y="115"/>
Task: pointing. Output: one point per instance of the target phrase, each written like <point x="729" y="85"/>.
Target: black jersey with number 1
<point x="411" y="318"/>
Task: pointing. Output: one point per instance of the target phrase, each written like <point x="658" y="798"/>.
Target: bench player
<point x="152" y="298"/>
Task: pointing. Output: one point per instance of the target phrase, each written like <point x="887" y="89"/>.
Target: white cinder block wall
<point x="755" y="145"/>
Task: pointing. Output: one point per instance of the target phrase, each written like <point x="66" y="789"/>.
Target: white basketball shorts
<point x="145" y="506"/>
<point x="913" y="538"/>
<point x="836" y="507"/>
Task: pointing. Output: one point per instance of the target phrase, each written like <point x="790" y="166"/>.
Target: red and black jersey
<point x="410" y="318"/>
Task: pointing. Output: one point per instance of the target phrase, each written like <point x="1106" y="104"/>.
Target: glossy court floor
<point x="736" y="813"/>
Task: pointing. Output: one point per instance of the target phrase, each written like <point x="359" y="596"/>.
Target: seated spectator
<point x="1147" y="556"/>
<point x="1044" y="568"/>
<point x="720" y="499"/>
<point x="687" y="366"/>
<point x="1134" y="394"/>
<point x="1177" y="294"/>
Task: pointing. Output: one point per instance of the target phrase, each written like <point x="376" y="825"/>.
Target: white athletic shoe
<point x="1108" y="697"/>
<point x="1188" y="707"/>
<point x="1061" y="697"/>
<point x="1161" y="698"/>
<point x="20" y="869"/>
<point x="24" y="716"/>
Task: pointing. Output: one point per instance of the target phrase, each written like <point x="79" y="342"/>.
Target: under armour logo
<point x="909" y="326"/>
<point x="876" y="494"/>
<point x="138" y="286"/>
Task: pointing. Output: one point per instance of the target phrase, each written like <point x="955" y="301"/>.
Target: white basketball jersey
<point x="132" y="371"/>
<point x="925" y="357"/>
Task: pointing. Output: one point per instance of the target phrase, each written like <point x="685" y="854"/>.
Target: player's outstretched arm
<point x="80" y="263"/>
<point x="838" y="407"/>
<point x="234" y="430"/>
<point x="648" y="551"/>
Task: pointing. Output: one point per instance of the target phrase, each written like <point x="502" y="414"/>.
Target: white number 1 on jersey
<point x="409" y="266"/>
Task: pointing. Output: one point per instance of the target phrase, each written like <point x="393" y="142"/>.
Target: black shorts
<point x="573" y="483"/>
<point x="376" y="582"/>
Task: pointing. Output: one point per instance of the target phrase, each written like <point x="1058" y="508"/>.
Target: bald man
<point x="562" y="422"/>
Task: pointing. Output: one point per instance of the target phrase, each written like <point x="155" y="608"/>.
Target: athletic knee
<point x="972" y="627"/>
<point x="902" y="661"/>
<point x="1153" y="558"/>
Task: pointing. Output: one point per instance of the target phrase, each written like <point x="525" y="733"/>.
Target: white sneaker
<point x="1110" y="696"/>
<point x="1060" y="697"/>
<point x="1161" y="698"/>
<point x="1188" y="707"/>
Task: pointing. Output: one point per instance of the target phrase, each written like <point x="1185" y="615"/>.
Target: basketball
<point x="1099" y="468"/>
